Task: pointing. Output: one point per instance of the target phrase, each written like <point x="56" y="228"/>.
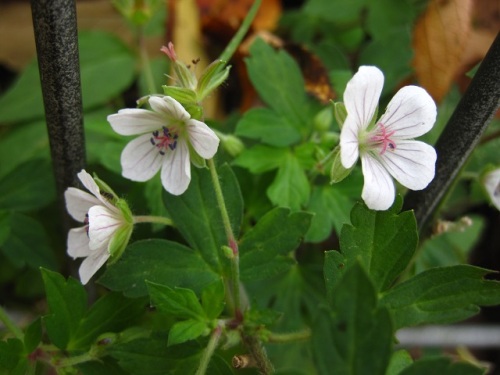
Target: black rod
<point x="474" y="112"/>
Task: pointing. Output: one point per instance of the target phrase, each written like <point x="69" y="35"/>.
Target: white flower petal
<point x="78" y="203"/>
<point x="378" y="189"/>
<point x="169" y="108"/>
<point x="361" y="97"/>
<point x="78" y="243"/>
<point x="410" y="113"/>
<point x="103" y="223"/>
<point x="492" y="185"/>
<point x="349" y="144"/>
<point x="140" y="159"/>
<point x="132" y="121"/>
<point x="176" y="170"/>
<point x="90" y="184"/>
<point x="202" y="138"/>
<point x="91" y="265"/>
<point x="412" y="163"/>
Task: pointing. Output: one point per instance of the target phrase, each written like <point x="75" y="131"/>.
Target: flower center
<point x="164" y="140"/>
<point x="382" y="138"/>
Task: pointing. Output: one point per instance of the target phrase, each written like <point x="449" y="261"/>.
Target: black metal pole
<point x="461" y="135"/>
<point x="56" y="38"/>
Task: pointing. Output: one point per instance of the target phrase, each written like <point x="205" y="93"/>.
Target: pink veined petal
<point x="91" y="265"/>
<point x="492" y="186"/>
<point x="176" y="169"/>
<point x="349" y="144"/>
<point x="202" y="138"/>
<point x="410" y="113"/>
<point x="361" y="97"/>
<point x="78" y="243"/>
<point x="378" y="189"/>
<point x="169" y="108"/>
<point x="412" y="163"/>
<point x="132" y="121"/>
<point x="78" y="203"/>
<point x="103" y="224"/>
<point x="140" y="159"/>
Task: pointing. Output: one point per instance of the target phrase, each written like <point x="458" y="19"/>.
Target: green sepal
<point x="195" y="110"/>
<point x="119" y="242"/>
<point x="340" y="113"/>
<point x="122" y="205"/>
<point x="185" y="76"/>
<point x="181" y="94"/>
<point x="212" y="78"/>
<point x="105" y="190"/>
<point x="196" y="159"/>
<point x="338" y="172"/>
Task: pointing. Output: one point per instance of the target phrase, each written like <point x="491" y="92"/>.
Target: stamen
<point x="166" y="140"/>
<point x="382" y="138"/>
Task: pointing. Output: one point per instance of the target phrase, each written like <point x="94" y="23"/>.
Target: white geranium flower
<point x="386" y="147"/>
<point x="105" y="226"/>
<point x="169" y="134"/>
<point x="491" y="182"/>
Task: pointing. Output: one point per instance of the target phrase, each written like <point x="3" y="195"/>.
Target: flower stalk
<point x="209" y="351"/>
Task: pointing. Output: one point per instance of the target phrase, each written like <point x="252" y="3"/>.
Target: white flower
<point x="491" y="182"/>
<point x="386" y="147"/>
<point x="102" y="222"/>
<point x="169" y="134"/>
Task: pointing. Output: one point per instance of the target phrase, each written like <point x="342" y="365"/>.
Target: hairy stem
<point x="153" y="219"/>
<point x="258" y="353"/>
<point x="209" y="351"/>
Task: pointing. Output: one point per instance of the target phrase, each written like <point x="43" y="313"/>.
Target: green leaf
<point x="33" y="335"/>
<point x="400" y="360"/>
<point x="441" y="366"/>
<point x="384" y="241"/>
<point x="441" y="295"/>
<point x="261" y="158"/>
<point x="197" y="216"/>
<point x="12" y="358"/>
<point x="213" y="299"/>
<point x="270" y="242"/>
<point x="278" y="80"/>
<point x="386" y="16"/>
<point x="331" y="209"/>
<point x="110" y="313"/>
<point x="159" y="261"/>
<point x="268" y="127"/>
<point x="186" y="330"/>
<point x="67" y="302"/>
<point x="28" y="243"/>
<point x="343" y="338"/>
<point x="30" y="186"/>
<point x="4" y="226"/>
<point x="181" y="303"/>
<point x="335" y="10"/>
<point x="290" y="187"/>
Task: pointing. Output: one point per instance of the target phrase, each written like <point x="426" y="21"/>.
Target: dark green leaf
<point x="186" y="330"/>
<point x="213" y="299"/>
<point x="272" y="239"/>
<point x="28" y="187"/>
<point x="441" y="366"/>
<point x="441" y="295"/>
<point x="33" y="335"/>
<point x="67" y="302"/>
<point x="28" y="243"/>
<point x="387" y="16"/>
<point x="343" y="338"/>
<point x="4" y="226"/>
<point x="182" y="303"/>
<point x="163" y="262"/>
<point x="105" y="366"/>
<point x="11" y="355"/>
<point x="384" y="241"/>
<point x="268" y="127"/>
<point x="261" y="158"/>
<point x="335" y="10"/>
<point x="400" y="360"/>
<point x="290" y="187"/>
<point x="197" y="216"/>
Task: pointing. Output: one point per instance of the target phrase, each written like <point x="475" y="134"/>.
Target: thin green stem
<point x="153" y="219"/>
<point x="209" y="351"/>
<point x="238" y="37"/>
<point x="280" y="338"/>
<point x="145" y="63"/>
<point x="71" y="361"/>
<point x="11" y="326"/>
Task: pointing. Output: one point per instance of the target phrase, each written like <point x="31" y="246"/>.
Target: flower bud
<point x="340" y="113"/>
<point x="323" y="120"/>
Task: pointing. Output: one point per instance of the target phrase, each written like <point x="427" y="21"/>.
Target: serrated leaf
<point x="270" y="242"/>
<point x="181" y="303"/>
<point x="441" y="366"/>
<point x="267" y="126"/>
<point x="441" y="295"/>
<point x="290" y="187"/>
<point x="28" y="243"/>
<point x="343" y="337"/>
<point x="186" y="330"/>
<point x="278" y="80"/>
<point x="67" y="302"/>
<point x="384" y="241"/>
<point x="197" y="217"/>
<point x="159" y="261"/>
<point x="261" y="158"/>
